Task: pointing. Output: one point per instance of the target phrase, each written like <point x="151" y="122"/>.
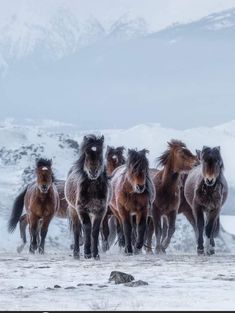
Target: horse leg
<point x="105" y="232"/>
<point x="23" y="225"/>
<point x="199" y="216"/>
<point x="189" y="216"/>
<point x="120" y="234"/>
<point x="134" y="230"/>
<point x="141" y="220"/>
<point x="33" y="229"/>
<point x="43" y="233"/>
<point x="149" y="235"/>
<point x="165" y="227"/>
<point x="95" y="236"/>
<point x="126" y="222"/>
<point x="76" y="227"/>
<point x="158" y="229"/>
<point x="171" y="228"/>
<point x="86" y="225"/>
<point x="211" y="224"/>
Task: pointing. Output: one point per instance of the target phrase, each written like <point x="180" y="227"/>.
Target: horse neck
<point x="169" y="176"/>
<point x="111" y="166"/>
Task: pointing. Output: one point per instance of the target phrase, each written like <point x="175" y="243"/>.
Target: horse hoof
<point x="76" y="256"/>
<point x="96" y="257"/>
<point x="20" y="248"/>
<point x="72" y="246"/>
<point x="200" y="252"/>
<point x="210" y="252"/>
<point x="41" y="250"/>
<point x="105" y="246"/>
<point x="160" y="251"/>
<point x="32" y="249"/>
<point x="87" y="255"/>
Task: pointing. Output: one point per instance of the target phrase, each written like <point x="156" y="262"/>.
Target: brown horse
<point x="177" y="159"/>
<point x="114" y="158"/>
<point x="87" y="192"/>
<point x="133" y="194"/>
<point x="206" y="191"/>
<point x="41" y="201"/>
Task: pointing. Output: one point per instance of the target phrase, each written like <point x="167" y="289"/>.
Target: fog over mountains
<point x="117" y="72"/>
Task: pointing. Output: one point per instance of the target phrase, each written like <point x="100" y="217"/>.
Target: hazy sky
<point x="157" y="13"/>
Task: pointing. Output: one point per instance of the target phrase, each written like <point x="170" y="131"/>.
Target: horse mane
<point x="47" y="163"/>
<point x="88" y="142"/>
<point x="43" y="162"/>
<point x="137" y="159"/>
<point x="164" y="158"/>
<point x="216" y="151"/>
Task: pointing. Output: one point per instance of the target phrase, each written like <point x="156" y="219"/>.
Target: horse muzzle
<point x="140" y="188"/>
<point x="210" y="181"/>
<point x="44" y="188"/>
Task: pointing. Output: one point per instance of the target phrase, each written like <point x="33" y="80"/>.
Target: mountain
<point x="85" y="74"/>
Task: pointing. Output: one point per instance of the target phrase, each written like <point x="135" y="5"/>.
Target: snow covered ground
<point x="178" y="281"/>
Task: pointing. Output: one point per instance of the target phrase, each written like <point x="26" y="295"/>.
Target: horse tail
<point x="16" y="211"/>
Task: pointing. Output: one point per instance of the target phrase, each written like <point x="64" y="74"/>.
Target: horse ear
<point x="102" y="138"/>
<point x="217" y="148"/>
<point x="50" y="162"/>
<point x="121" y="149"/>
<point x="204" y="147"/>
<point x="198" y="153"/>
<point x="144" y="151"/>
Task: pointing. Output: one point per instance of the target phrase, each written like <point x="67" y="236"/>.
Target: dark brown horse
<point x="177" y="159"/>
<point x="41" y="201"/>
<point x="87" y="192"/>
<point x="114" y="158"/>
<point x="133" y="194"/>
<point x="206" y="191"/>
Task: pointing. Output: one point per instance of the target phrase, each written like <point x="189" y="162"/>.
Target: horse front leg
<point x="23" y="225"/>
<point x="76" y="227"/>
<point x="141" y="220"/>
<point x="211" y="224"/>
<point x="95" y="236"/>
<point x="158" y="229"/>
<point x="33" y="229"/>
<point x="105" y="232"/>
<point x="149" y="235"/>
<point x="171" y="228"/>
<point x="126" y="222"/>
<point x="43" y="232"/>
<point x="200" y="222"/>
<point x="86" y="225"/>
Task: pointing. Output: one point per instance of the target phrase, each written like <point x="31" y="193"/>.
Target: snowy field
<point x="178" y="281"/>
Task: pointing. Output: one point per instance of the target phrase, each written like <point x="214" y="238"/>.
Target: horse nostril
<point x="210" y="181"/>
<point x="140" y="187"/>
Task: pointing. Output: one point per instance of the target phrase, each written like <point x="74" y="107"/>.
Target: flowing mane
<point x="164" y="158"/>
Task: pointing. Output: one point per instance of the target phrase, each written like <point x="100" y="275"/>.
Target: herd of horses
<point x="104" y="193"/>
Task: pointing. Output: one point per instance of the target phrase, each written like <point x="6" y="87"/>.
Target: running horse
<point x="206" y="191"/>
<point x="88" y="192"/>
<point x="41" y="201"/>
<point x="114" y="158"/>
<point x="133" y="194"/>
<point x="176" y="160"/>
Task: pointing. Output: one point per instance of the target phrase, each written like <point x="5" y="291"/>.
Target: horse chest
<point x="135" y="202"/>
<point x="209" y="197"/>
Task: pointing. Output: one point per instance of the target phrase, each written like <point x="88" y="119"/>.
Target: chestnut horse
<point x="206" y="191"/>
<point x="177" y="159"/>
<point x="41" y="201"/>
<point x="133" y="194"/>
<point x="87" y="192"/>
<point x="114" y="158"/>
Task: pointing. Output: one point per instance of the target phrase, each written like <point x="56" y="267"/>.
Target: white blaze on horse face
<point x="114" y="157"/>
<point x="45" y="168"/>
<point x="94" y="148"/>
